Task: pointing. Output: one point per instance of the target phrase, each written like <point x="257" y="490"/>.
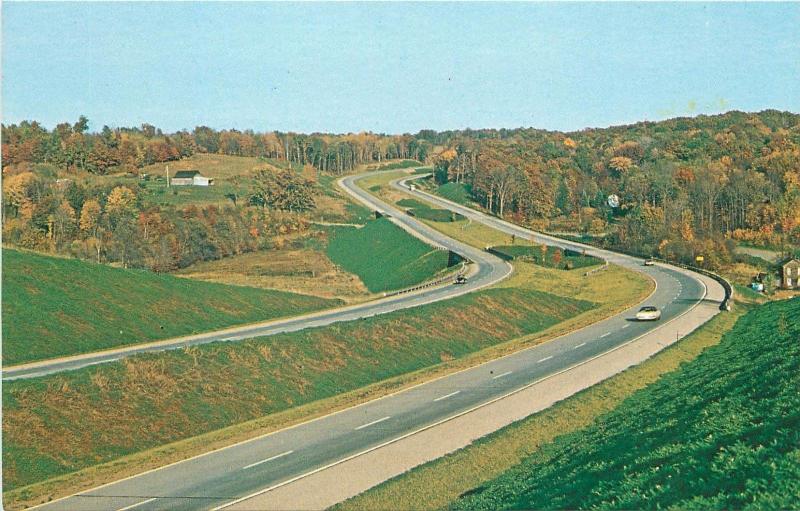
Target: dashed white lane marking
<point x="501" y="375"/>
<point x="137" y="504"/>
<point x="605" y="334"/>
<point x="625" y="325"/>
<point x="373" y="422"/>
<point x="446" y="396"/>
<point x="545" y="359"/>
<point x="281" y="455"/>
<point x="579" y="346"/>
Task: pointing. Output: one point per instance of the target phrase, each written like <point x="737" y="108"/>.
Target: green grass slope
<point x="62" y="423"/>
<point x="456" y="192"/>
<point x="384" y="256"/>
<point x="425" y="211"/>
<point x="722" y="432"/>
<point x="55" y="307"/>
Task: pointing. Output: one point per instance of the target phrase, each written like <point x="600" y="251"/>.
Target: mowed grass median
<point x="62" y="423"/>
<point x="384" y="256"/>
<point x="56" y="307"/>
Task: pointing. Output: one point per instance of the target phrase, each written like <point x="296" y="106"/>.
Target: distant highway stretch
<point x="234" y="476"/>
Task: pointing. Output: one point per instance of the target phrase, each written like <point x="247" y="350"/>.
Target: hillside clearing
<point x="298" y="267"/>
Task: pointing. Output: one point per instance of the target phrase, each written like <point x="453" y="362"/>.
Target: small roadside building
<point x="190" y="178"/>
<point x="790" y="274"/>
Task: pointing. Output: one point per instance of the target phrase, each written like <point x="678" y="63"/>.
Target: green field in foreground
<point x="384" y="256"/>
<point x="61" y="423"/>
<point x="721" y="432"/>
<point x="56" y="307"/>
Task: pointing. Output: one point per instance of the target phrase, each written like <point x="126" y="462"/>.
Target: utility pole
<point x="167" y="171"/>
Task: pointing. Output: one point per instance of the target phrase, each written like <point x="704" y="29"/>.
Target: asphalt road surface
<point x="227" y="476"/>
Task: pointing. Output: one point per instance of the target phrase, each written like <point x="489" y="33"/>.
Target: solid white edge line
<point x="137" y="504"/>
<point x="446" y="396"/>
<point x="477" y="407"/>
<point x="281" y="455"/>
<point x="373" y="422"/>
<point x="501" y="375"/>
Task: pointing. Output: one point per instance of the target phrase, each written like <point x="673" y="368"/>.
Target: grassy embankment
<point x="393" y="165"/>
<point x="424" y="211"/>
<point x="62" y="423"/>
<point x="687" y="434"/>
<point x="384" y="256"/>
<point x="56" y="307"/>
<point x="456" y="192"/>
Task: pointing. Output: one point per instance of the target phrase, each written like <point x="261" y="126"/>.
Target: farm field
<point x="384" y="255"/>
<point x="231" y="176"/>
<point x="298" y="267"/>
<point x="718" y="431"/>
<point x="62" y="423"/>
<point x="56" y="307"/>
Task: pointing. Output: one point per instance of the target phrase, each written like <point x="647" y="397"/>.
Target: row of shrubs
<point x="543" y="255"/>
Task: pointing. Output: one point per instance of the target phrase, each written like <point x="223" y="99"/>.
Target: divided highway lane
<point x="486" y="270"/>
<point x="228" y="476"/>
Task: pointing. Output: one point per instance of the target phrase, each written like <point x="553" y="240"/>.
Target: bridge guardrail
<point x="727" y="301"/>
<point x="432" y="283"/>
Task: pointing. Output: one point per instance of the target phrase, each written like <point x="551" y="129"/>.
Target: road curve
<point x="229" y="477"/>
<point x="486" y="270"/>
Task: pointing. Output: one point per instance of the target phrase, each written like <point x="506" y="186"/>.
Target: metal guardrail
<point x="432" y="283"/>
<point x="727" y="301"/>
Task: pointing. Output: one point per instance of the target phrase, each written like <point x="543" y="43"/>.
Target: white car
<point x="648" y="313"/>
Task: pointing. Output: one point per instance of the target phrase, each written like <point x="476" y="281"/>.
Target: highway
<point x="229" y="476"/>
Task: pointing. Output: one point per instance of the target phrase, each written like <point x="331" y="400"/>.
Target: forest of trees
<point x="73" y="147"/>
<point x="686" y="186"/>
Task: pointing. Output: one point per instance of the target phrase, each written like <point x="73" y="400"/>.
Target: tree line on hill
<point x="73" y="147"/>
<point x="683" y="187"/>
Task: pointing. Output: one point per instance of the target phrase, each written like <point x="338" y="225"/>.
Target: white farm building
<point x="190" y="178"/>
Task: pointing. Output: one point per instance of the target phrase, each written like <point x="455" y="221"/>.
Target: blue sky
<point x="400" y="67"/>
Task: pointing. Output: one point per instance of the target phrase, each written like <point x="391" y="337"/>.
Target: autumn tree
<point x="283" y="190"/>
